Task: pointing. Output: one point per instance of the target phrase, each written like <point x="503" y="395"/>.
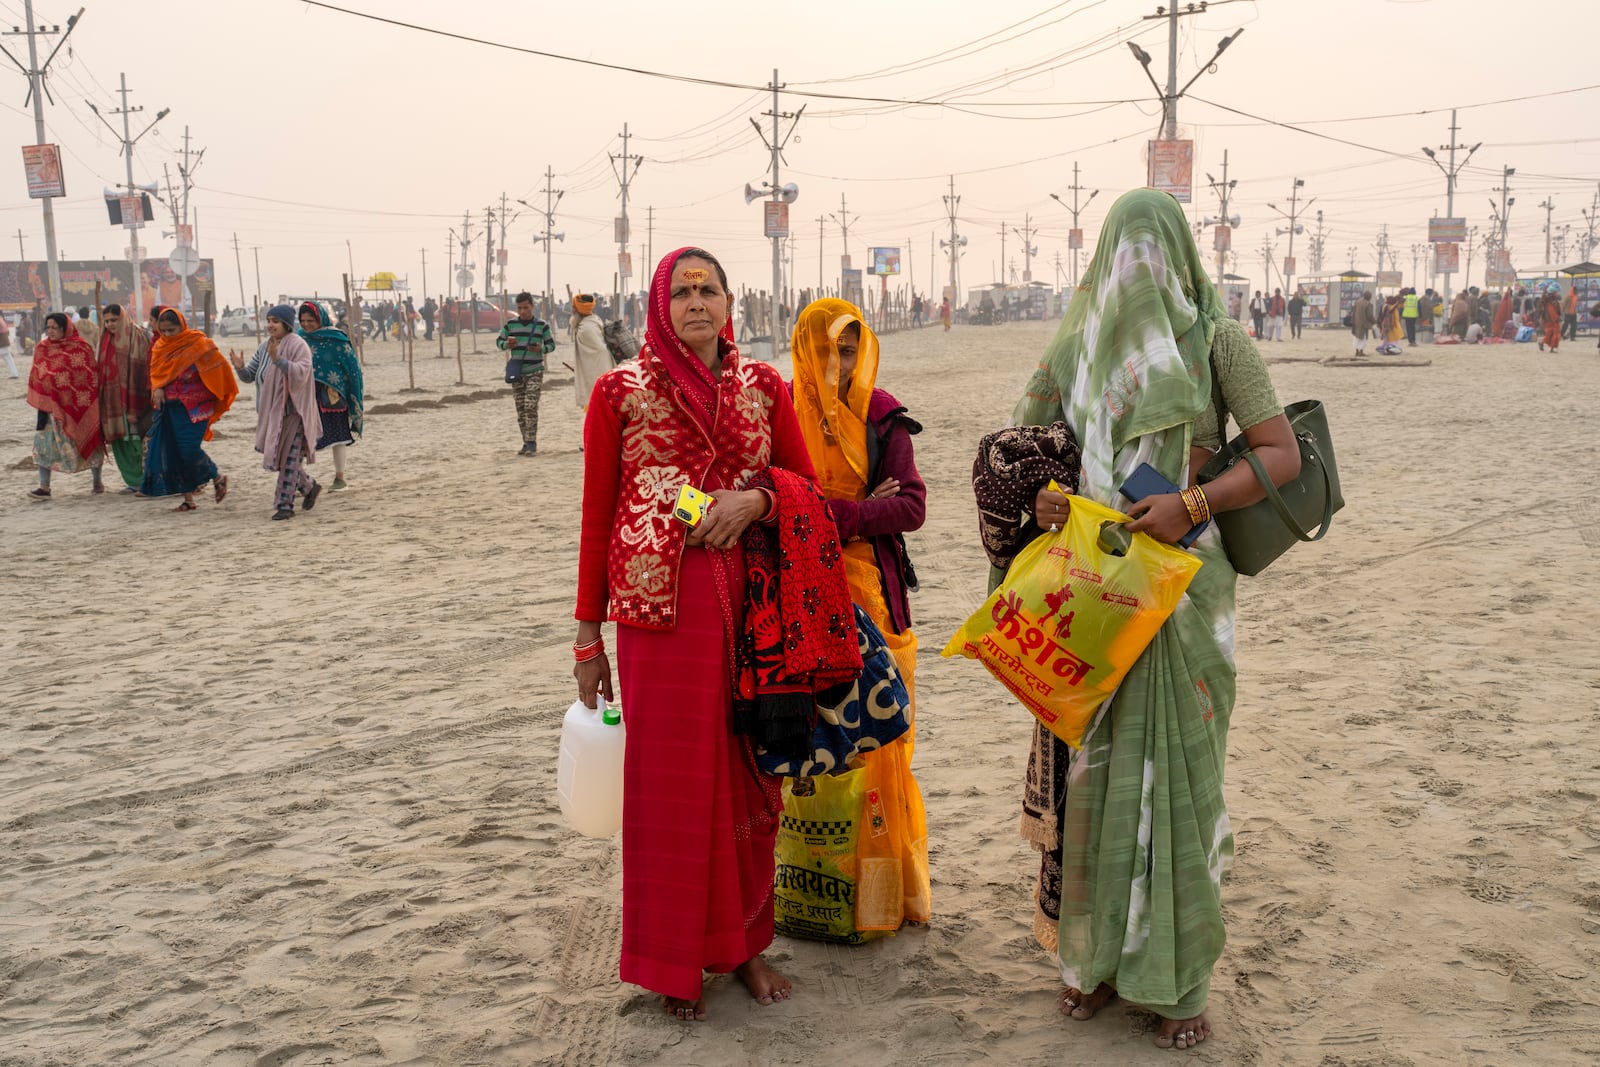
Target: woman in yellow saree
<point x="859" y="438"/>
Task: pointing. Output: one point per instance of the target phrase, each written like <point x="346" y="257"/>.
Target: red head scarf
<point x="699" y="385"/>
<point x="65" y="383"/>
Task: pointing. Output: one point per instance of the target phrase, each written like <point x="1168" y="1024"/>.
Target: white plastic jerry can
<point x="589" y="770"/>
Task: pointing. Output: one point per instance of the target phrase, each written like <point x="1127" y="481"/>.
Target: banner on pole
<point x="1447" y="231"/>
<point x="1074" y="239"/>
<point x="132" y="211"/>
<point x="625" y="264"/>
<point x="1222" y="240"/>
<point x="1288" y="266"/>
<point x="501" y="257"/>
<point x="1172" y="168"/>
<point x="774" y="218"/>
<point x="42" y="164"/>
<point x="1388" y="279"/>
<point x="885" y="261"/>
<point x="1446" y="258"/>
<point x="619" y="229"/>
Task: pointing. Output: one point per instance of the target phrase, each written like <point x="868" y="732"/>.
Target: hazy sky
<point x="320" y="127"/>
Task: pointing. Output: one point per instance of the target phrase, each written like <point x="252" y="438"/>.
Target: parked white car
<point x="239" y="320"/>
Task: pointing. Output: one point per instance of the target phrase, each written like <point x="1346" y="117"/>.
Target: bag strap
<point x="1260" y="470"/>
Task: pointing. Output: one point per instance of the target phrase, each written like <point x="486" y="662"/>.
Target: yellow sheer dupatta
<point x="835" y="431"/>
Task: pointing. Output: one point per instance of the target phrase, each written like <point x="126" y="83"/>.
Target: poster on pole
<point x="1074" y="239"/>
<point x="1447" y="231"/>
<point x="1222" y="239"/>
<point x="1388" y="279"/>
<point x="42" y="164"/>
<point x="1288" y="266"/>
<point x="619" y="229"/>
<point x="625" y="264"/>
<point x="1172" y="168"/>
<point x="132" y="211"/>
<point x="1446" y="258"/>
<point x="885" y="261"/>
<point x="774" y="218"/>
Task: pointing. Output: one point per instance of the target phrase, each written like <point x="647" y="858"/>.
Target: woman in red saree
<point x="64" y="388"/>
<point x="699" y="820"/>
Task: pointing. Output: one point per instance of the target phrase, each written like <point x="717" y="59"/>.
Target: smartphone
<point x="691" y="506"/>
<point x="1147" y="481"/>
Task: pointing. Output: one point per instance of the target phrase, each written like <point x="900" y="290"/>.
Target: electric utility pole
<point x="238" y="265"/>
<point x="1292" y="215"/>
<point x="552" y="197"/>
<point x="464" y="273"/>
<point x="1450" y="174"/>
<point x="1506" y="202"/>
<point x="1028" y="249"/>
<point x="1002" y="252"/>
<point x="1170" y="96"/>
<point x="1591" y="215"/>
<point x="822" y="233"/>
<point x="1318" y="243"/>
<point x="1075" y="238"/>
<point x="620" y="226"/>
<point x="1226" y="223"/>
<point x="844" y="219"/>
<point x="488" y="256"/>
<point x="135" y="253"/>
<point x="778" y="194"/>
<point x="35" y="73"/>
<point x="952" y="204"/>
<point x="1549" y="205"/>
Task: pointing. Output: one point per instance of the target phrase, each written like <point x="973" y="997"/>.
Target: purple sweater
<point x="880" y="521"/>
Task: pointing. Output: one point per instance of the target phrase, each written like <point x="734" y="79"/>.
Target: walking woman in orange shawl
<point x="859" y="438"/>
<point x="192" y="387"/>
<point x="64" y="388"/>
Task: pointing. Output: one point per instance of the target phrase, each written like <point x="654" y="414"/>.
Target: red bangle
<point x="772" y="506"/>
<point x="586" y="652"/>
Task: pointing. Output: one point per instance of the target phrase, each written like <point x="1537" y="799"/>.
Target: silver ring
<point x="1055" y="527"/>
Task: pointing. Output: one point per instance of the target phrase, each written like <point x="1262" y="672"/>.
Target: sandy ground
<point x="284" y="793"/>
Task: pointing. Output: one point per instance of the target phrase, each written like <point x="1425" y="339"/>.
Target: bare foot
<point x="766" y="985"/>
<point x="1083" y="1007"/>
<point x="1183" y="1033"/>
<point x="685" y="1010"/>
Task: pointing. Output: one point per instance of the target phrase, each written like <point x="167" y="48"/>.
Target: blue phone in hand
<point x="1147" y="481"/>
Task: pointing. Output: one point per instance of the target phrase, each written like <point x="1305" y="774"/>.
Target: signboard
<point x="1496" y="278"/>
<point x="132" y="211"/>
<point x="625" y="264"/>
<point x="26" y="282"/>
<point x="463" y="279"/>
<point x="1222" y="239"/>
<point x="844" y="263"/>
<point x="1447" y="231"/>
<point x="774" y="218"/>
<point x="501" y="257"/>
<point x="1350" y="290"/>
<point x="184" y="260"/>
<point x="1316" y="310"/>
<point x="1288" y="266"/>
<point x="1172" y="168"/>
<point x="619" y="230"/>
<point x="133" y="252"/>
<point x="885" y="261"/>
<point x="1446" y="258"/>
<point x="185" y="235"/>
<point x="852" y="285"/>
<point x="1074" y="239"/>
<point x="42" y="164"/>
<point x="1389" y="279"/>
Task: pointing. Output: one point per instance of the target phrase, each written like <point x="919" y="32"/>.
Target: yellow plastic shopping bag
<point x="1076" y="610"/>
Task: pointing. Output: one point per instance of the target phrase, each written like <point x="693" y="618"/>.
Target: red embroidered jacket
<point x="641" y="445"/>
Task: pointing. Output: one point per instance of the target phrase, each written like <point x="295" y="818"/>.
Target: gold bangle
<point x="1189" y="504"/>
<point x="1204" y="504"/>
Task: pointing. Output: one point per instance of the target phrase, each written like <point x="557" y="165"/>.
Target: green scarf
<point x="1145" y="834"/>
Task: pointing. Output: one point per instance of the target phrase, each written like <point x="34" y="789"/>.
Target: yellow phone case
<point x="691" y="506"/>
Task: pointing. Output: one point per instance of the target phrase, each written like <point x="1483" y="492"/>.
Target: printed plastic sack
<point x="819" y="883"/>
<point x="1524" y="333"/>
<point x="1072" y="617"/>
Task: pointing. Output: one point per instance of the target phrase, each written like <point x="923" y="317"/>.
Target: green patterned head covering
<point x="1132" y="356"/>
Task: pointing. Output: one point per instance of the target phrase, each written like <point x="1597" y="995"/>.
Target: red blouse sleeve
<point x="788" y="447"/>
<point x="602" y="474"/>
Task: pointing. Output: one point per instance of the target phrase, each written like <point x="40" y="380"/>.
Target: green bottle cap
<point x="612" y="715"/>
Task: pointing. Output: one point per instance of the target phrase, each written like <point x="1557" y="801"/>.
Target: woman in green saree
<point x="1134" y="827"/>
